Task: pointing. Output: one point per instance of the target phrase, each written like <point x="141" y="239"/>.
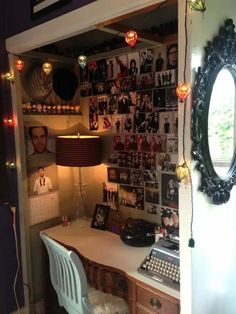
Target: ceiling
<point x="155" y="25"/>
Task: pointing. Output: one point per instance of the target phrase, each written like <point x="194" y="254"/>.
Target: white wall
<point x="213" y="258"/>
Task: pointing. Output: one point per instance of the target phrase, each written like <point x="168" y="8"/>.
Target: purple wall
<point x="20" y="19"/>
<point x="15" y="17"/>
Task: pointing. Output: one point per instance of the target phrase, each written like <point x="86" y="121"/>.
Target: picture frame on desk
<point x="100" y="216"/>
<point x="42" y="7"/>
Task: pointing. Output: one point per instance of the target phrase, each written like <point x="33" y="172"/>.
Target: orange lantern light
<point x="131" y="38"/>
<point x="20" y="64"/>
<point x="182" y="91"/>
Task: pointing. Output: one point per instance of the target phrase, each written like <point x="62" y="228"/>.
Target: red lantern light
<point x="9" y="122"/>
<point x="20" y="65"/>
<point x="183" y="90"/>
<point x="131" y="38"/>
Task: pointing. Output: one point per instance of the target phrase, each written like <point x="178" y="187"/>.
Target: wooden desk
<point x="111" y="266"/>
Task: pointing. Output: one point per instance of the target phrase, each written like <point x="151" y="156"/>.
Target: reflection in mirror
<point x="214" y="117"/>
<point x="221" y="118"/>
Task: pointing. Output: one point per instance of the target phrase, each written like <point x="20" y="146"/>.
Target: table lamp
<point x="79" y="151"/>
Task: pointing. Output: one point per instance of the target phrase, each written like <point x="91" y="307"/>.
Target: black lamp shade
<point x="78" y="151"/>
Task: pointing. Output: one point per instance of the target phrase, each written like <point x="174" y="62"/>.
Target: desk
<point x="111" y="266"/>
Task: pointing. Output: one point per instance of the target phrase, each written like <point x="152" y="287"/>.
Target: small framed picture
<point x="100" y="216"/>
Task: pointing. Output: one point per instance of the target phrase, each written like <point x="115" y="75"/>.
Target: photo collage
<point x="133" y="98"/>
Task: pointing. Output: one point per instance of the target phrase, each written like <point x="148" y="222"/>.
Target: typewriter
<point x="162" y="263"/>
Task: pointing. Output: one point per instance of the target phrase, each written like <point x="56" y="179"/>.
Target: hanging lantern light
<point x="47" y="68"/>
<point x="182" y="91"/>
<point x="182" y="171"/>
<point x="9" y="122"/>
<point x="131" y="38"/>
<point x="82" y="60"/>
<point x="19" y="64"/>
<point x="197" y="5"/>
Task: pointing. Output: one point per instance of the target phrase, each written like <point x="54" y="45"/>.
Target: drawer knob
<point x="155" y="303"/>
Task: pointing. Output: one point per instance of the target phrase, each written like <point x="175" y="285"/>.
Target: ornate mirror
<point x="214" y="116"/>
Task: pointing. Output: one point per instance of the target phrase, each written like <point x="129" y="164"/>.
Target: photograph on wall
<point x="113" y="174"/>
<point x="175" y="124"/>
<point x="128" y="121"/>
<point x="131" y="143"/>
<point x="111" y="68"/>
<point x="166" y="122"/>
<point x="123" y="103"/>
<point x="172" y="143"/>
<point x="118" y="143"/>
<point x="98" y="88"/>
<point x="146" y="60"/>
<point x="166" y="78"/>
<point x="125" y="84"/>
<point x="110" y="194"/>
<point x="117" y="123"/>
<point x="134" y="97"/>
<point x="145" y="81"/>
<point x="159" y="99"/>
<point x="124" y="176"/>
<point x="122" y="66"/>
<point x="92" y="71"/>
<point x="144" y="143"/>
<point x="169" y="190"/>
<point x="159" y="56"/>
<point x="139" y="122"/>
<point x="40" y="145"/>
<point x="152" y="122"/>
<point x="172" y="56"/>
<point x="102" y="70"/>
<point x="106" y="122"/>
<point x="113" y="158"/>
<point x="130" y="196"/>
<point x="42" y="180"/>
<point x="151" y="209"/>
<point x="134" y="65"/>
<point x="145" y="101"/>
<point x="168" y="162"/>
<point x="102" y="105"/>
<point x="169" y="220"/>
<point x="136" y="177"/>
<point x="93" y="106"/>
<point x="113" y="87"/>
<point x="171" y="98"/>
<point x="112" y="105"/>
<point x="85" y="89"/>
<point x="93" y="121"/>
<point x="124" y="159"/>
<point x="151" y="192"/>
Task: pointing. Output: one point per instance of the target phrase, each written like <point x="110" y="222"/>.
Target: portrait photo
<point x="169" y="220"/>
<point x="159" y="56"/>
<point x="169" y="190"/>
<point x="122" y="66"/>
<point x="166" y="122"/>
<point x="146" y="61"/>
<point x="100" y="216"/>
<point x="134" y="64"/>
<point x="130" y="196"/>
<point x="110" y="194"/>
<point x="112" y="105"/>
<point x="113" y="174"/>
<point x="111" y="68"/>
<point x="172" y="56"/>
<point x="117" y="123"/>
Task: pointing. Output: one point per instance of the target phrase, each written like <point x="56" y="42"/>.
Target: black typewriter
<point x="162" y="263"/>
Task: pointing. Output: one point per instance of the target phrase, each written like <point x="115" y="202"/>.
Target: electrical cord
<point x="13" y="209"/>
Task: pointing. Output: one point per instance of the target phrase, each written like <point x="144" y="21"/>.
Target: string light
<point x="131" y="38"/>
<point x="8" y="76"/>
<point x="47" y="68"/>
<point x="197" y="5"/>
<point x="182" y="91"/>
<point x="9" y="122"/>
<point x="182" y="171"/>
<point x="82" y="60"/>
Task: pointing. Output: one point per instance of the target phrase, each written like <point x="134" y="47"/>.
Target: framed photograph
<point x="100" y="216"/>
<point x="42" y="7"/>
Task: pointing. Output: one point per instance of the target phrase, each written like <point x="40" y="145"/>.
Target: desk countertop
<point x="106" y="248"/>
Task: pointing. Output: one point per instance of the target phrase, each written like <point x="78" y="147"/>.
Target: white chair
<point x="69" y="280"/>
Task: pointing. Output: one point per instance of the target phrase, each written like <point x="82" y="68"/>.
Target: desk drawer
<point x="153" y="301"/>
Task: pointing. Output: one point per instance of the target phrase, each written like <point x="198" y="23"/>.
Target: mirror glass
<point x="221" y="118"/>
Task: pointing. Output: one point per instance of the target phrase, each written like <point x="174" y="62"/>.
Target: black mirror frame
<point x="219" y="54"/>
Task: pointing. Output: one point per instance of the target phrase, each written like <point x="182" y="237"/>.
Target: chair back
<point x="68" y="278"/>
